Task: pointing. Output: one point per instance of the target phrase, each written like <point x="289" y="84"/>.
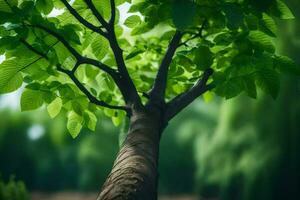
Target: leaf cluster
<point x="73" y="61"/>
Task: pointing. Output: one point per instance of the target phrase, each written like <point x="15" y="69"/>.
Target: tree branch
<point x="94" y="10"/>
<point x="71" y="74"/>
<point x="199" y="34"/>
<point x="113" y="12"/>
<point x="157" y="92"/>
<point x="82" y="20"/>
<point x="113" y="73"/>
<point x="80" y="58"/>
<point x="85" y="91"/>
<point x="61" y="39"/>
<point x="31" y="48"/>
<point x="127" y="86"/>
<point x="121" y="77"/>
<point x="129" y="90"/>
<point x="183" y="100"/>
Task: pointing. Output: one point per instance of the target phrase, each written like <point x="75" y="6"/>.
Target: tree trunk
<point x="134" y="174"/>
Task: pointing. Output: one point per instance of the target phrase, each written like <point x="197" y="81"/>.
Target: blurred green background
<point x="239" y="149"/>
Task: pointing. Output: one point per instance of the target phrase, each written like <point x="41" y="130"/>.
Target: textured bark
<point x="134" y="174"/>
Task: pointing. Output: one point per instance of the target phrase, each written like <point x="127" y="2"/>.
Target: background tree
<point x="267" y="167"/>
<point x="171" y="52"/>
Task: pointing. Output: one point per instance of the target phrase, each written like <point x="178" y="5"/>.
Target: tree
<point x="172" y="51"/>
<point x="272" y="131"/>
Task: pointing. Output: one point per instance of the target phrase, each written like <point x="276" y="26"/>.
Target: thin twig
<point x="82" y="20"/>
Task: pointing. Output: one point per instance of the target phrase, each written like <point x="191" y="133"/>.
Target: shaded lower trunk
<point x="134" y="174"/>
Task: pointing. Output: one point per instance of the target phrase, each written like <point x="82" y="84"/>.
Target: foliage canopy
<point x="78" y="60"/>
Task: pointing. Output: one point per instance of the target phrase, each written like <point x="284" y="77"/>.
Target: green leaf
<point x="252" y="21"/>
<point x="250" y="87"/>
<point x="90" y="120"/>
<point x="261" y="40"/>
<point x="230" y="88"/>
<point x="10" y="77"/>
<point x="167" y="35"/>
<point x="26" y="8"/>
<point x="281" y="10"/>
<point x="99" y="47"/>
<point x="31" y="100"/>
<point x="286" y="65"/>
<point x="45" y="6"/>
<point x="103" y="7"/>
<point x="91" y="72"/>
<point x="183" y="14"/>
<point x="69" y="32"/>
<point x="223" y="39"/>
<point x="77" y="107"/>
<point x="186" y="62"/>
<point x="137" y="7"/>
<point x="203" y="57"/>
<point x="234" y="15"/>
<point x="74" y="124"/>
<point x="140" y="29"/>
<point x="268" y="80"/>
<point x="4" y="7"/>
<point x="261" y="5"/>
<point x="134" y="53"/>
<point x="133" y="21"/>
<point x="54" y="107"/>
<point x="33" y="86"/>
<point x="268" y="25"/>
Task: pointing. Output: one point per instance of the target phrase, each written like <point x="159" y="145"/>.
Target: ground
<point x="90" y="196"/>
